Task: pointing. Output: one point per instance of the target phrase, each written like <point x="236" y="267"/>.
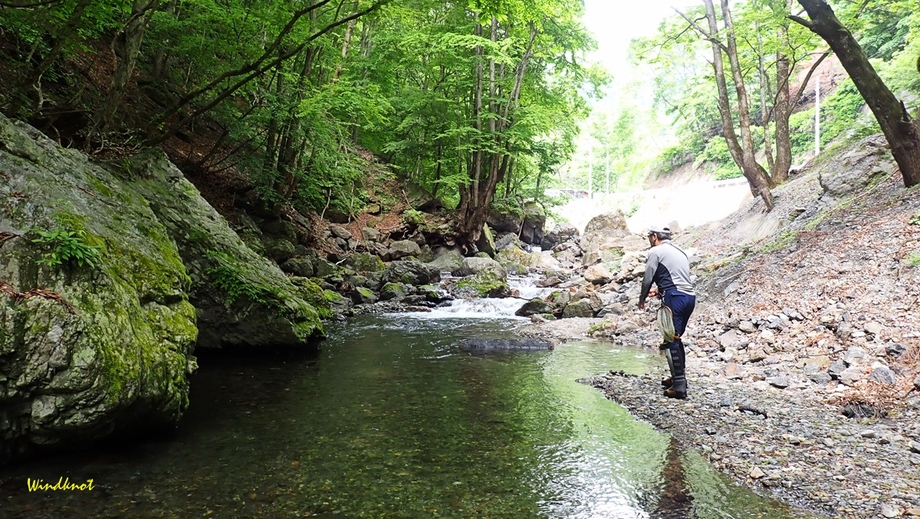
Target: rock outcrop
<point x="242" y="298"/>
<point x="98" y="305"/>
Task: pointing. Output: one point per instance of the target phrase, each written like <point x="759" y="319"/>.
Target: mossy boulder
<point x="396" y="291"/>
<point x="316" y="296"/>
<point x="324" y="268"/>
<point x="278" y="249"/>
<point x="485" y="283"/>
<point x="535" y="306"/>
<point x="87" y="348"/>
<point x="581" y="308"/>
<point x="476" y="264"/>
<point x="299" y="266"/>
<point x="403" y="249"/>
<point x="364" y="262"/>
<point x="447" y="260"/>
<point x="486" y="242"/>
<point x="362" y="296"/>
<point x="433" y="293"/>
<point x="534" y="222"/>
<point x="242" y="298"/>
<point x="411" y="273"/>
<point x="515" y="260"/>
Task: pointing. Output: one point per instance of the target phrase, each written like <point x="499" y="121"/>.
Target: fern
<point x="66" y="247"/>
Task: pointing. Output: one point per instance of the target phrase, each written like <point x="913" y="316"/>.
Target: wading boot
<point x="666" y="348"/>
<point x="677" y="356"/>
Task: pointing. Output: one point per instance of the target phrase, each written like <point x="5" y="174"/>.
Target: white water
<point x="524" y="287"/>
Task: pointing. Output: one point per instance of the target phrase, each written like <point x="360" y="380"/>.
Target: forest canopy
<point x="476" y="103"/>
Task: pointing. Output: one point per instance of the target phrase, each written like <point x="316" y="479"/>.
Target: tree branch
<point x="254" y="69"/>
<point x="23" y="5"/>
<point x="706" y="36"/>
<point x="801" y="21"/>
<point x="191" y="96"/>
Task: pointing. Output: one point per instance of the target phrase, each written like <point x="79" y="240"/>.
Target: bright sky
<point x="615" y="22"/>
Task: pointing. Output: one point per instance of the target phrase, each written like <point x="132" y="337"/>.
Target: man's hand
<point x="641" y="305"/>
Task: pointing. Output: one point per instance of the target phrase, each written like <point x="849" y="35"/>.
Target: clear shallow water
<point x="391" y="420"/>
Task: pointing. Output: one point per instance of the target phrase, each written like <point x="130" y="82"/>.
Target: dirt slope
<point x="804" y="350"/>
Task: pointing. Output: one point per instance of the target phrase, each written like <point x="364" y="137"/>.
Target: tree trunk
<point x="476" y="198"/>
<point x="902" y="133"/>
<point x="469" y="195"/>
<point x="125" y="47"/>
<point x="160" y="57"/>
<point x="764" y="113"/>
<point x="744" y="111"/>
<point x="782" y="109"/>
<point x="349" y="30"/>
<point x="742" y="153"/>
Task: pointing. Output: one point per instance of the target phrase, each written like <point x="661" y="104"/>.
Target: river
<point x="390" y="419"/>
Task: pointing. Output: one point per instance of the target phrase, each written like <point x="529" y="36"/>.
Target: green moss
<point x="594" y="328"/>
<point x="315" y="296"/>
<point x="238" y="280"/>
<point x="332" y="296"/>
<point x="100" y="188"/>
<point x="914" y="259"/>
<point x="483" y="284"/>
<point x="364" y="262"/>
<point x="515" y="260"/>
<point x="226" y="274"/>
<point x="160" y="279"/>
<point x="784" y="240"/>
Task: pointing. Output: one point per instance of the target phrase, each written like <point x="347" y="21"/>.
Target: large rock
<point x="561" y="233"/>
<point x="447" y="259"/>
<point x="94" y="349"/>
<point x="606" y="237"/>
<point x="242" y="299"/>
<point x="97" y="286"/>
<point x="488" y="282"/>
<point x="486" y="242"/>
<point x="411" y="273"/>
<point x="505" y="221"/>
<point x="534" y="220"/>
<point x="598" y="274"/>
<point x="855" y="170"/>
<point x="475" y="265"/>
<point x="533" y="307"/>
<point x="402" y="249"/>
<point x="516" y="261"/>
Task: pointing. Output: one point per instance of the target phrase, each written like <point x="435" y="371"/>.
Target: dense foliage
<point x="684" y="86"/>
<point x="475" y="102"/>
<point x="284" y="91"/>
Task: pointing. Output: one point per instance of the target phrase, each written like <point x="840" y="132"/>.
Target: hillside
<point x="804" y="350"/>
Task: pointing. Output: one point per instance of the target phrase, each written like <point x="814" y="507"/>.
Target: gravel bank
<point x="788" y="443"/>
<point x="804" y="351"/>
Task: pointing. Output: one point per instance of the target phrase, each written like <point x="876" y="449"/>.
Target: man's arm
<point x="651" y="265"/>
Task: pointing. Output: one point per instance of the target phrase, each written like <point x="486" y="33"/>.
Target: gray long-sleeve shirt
<point x="668" y="267"/>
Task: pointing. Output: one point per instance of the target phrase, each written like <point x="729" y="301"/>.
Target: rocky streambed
<point x="785" y="436"/>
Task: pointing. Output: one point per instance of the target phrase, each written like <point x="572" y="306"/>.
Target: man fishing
<point x="668" y="267"/>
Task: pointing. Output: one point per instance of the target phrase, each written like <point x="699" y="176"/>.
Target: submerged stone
<point x="486" y="345"/>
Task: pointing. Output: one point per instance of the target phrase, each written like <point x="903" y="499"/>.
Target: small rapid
<point x="523" y="289"/>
